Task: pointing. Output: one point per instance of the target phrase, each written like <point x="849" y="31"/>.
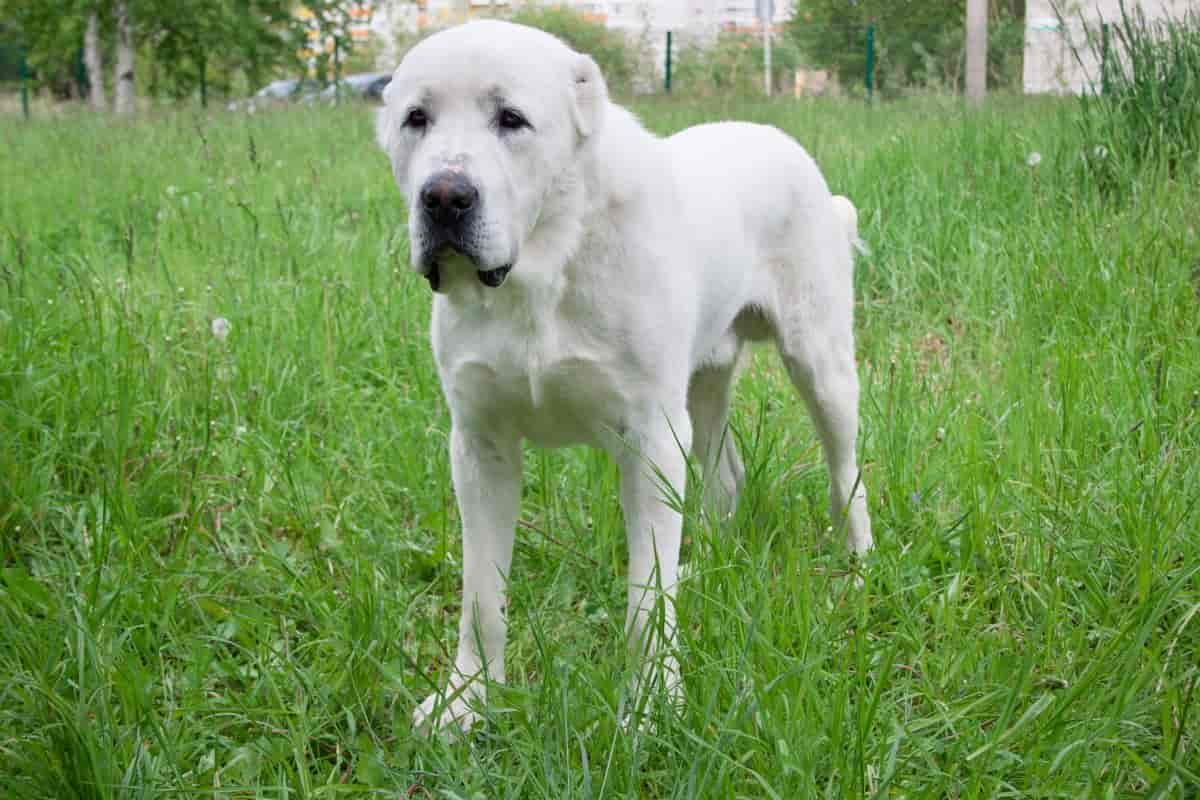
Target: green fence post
<point x="667" y="83"/>
<point x="1105" y="44"/>
<point x="204" y="80"/>
<point x="81" y="78"/>
<point x="870" y="78"/>
<point x="24" y="84"/>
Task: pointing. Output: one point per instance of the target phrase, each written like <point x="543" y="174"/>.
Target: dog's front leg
<point x="487" y="483"/>
<point x="653" y="477"/>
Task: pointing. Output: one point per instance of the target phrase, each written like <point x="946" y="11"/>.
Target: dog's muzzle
<point x="450" y="203"/>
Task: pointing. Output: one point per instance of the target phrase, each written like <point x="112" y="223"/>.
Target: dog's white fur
<point x="640" y="267"/>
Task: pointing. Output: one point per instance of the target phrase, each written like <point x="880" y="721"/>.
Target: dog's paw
<point x="452" y="712"/>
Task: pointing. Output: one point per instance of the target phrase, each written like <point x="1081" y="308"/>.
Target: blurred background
<point x="128" y="54"/>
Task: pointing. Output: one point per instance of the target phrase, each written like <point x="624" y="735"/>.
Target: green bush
<point x="734" y="63"/>
<point x="617" y="57"/>
<point x="917" y="44"/>
<point x="1147" y="112"/>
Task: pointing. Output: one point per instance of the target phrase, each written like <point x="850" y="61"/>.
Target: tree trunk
<point x="91" y="58"/>
<point x="123" y="80"/>
<point x="977" y="11"/>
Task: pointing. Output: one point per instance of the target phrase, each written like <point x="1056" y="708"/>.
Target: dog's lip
<point x="433" y="275"/>
<point x="494" y="277"/>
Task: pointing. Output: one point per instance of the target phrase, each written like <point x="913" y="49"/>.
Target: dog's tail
<point x="847" y="214"/>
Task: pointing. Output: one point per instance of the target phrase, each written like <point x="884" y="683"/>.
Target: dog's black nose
<point x="448" y="197"/>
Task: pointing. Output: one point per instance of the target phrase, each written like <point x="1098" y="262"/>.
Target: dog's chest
<point x="545" y="373"/>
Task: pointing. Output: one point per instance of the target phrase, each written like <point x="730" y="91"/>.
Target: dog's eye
<point x="416" y="119"/>
<point x="511" y="120"/>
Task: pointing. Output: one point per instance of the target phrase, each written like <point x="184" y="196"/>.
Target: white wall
<point x="1050" y="64"/>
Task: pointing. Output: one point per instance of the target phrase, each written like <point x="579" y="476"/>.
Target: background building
<point x="695" y="17"/>
<point x="1050" y="63"/>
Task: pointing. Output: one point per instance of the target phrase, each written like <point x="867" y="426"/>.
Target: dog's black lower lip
<point x="434" y="276"/>
<point x="493" y="277"/>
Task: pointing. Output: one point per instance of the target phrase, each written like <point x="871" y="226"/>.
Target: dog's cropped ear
<point x="589" y="95"/>
<point x="384" y="127"/>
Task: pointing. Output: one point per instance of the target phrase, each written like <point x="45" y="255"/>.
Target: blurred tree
<point x="199" y="47"/>
<point x="185" y="43"/>
<point x="332" y="20"/>
<point x="51" y="35"/>
<point x="734" y="64"/>
<point x="123" y="76"/>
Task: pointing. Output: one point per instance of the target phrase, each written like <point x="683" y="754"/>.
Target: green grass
<point x="230" y="568"/>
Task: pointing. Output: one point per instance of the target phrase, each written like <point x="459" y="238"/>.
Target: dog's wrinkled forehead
<point x="480" y="60"/>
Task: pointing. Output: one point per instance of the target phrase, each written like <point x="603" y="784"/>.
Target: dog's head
<point x="480" y="122"/>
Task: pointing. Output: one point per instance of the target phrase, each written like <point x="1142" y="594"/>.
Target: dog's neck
<point x="605" y="179"/>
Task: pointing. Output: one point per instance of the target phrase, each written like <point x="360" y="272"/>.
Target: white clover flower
<point x="1033" y="159"/>
<point x="221" y="328"/>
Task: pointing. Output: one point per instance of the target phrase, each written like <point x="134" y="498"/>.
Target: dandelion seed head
<point x="221" y="328"/>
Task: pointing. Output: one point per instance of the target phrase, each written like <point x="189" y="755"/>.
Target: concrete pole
<point x="976" y="51"/>
<point x="767" y="56"/>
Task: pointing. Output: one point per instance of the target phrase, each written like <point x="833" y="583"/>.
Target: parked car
<point x="365" y="86"/>
<point x="288" y="89"/>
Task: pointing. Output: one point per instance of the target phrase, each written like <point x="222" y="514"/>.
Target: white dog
<point x="595" y="284"/>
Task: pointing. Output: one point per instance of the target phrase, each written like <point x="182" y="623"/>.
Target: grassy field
<point x="230" y="564"/>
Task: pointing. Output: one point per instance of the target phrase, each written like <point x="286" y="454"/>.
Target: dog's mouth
<point x="492" y="278"/>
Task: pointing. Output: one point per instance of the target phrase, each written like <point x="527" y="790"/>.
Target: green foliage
<point x="734" y="64"/>
<point x="10" y="55"/>
<point x="198" y="47"/>
<point x="52" y="36"/>
<point x="1147" y="113"/>
<point x="918" y="44"/>
<point x="616" y="55"/>
<point x="182" y="45"/>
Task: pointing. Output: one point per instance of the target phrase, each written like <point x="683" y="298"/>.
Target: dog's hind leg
<point x="713" y="445"/>
<point x="823" y="371"/>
